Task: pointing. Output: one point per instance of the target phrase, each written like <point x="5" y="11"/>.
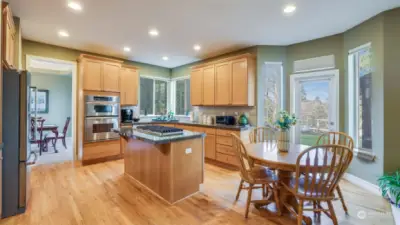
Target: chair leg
<point x="277" y="202"/>
<point x="63" y="141"/>
<point x="246" y="214"/>
<point x="300" y="212"/>
<point x="339" y="191"/>
<point x="239" y="189"/>
<point x="332" y="213"/>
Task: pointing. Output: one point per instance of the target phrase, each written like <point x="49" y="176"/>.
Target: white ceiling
<point x="219" y="26"/>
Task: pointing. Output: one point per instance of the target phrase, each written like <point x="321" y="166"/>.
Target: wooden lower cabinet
<point x="228" y="159"/>
<point x="209" y="146"/>
<point x="100" y="150"/>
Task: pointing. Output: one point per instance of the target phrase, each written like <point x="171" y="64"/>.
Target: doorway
<point x="52" y="104"/>
<point x="314" y="100"/>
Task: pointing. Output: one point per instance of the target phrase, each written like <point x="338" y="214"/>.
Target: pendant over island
<point x="171" y="166"/>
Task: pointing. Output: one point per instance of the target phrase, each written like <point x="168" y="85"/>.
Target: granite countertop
<point x="130" y="132"/>
<point x="189" y="123"/>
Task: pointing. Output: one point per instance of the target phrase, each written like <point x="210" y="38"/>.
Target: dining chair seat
<point x="310" y="195"/>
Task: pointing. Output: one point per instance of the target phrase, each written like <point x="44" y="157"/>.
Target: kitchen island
<point x="172" y="167"/>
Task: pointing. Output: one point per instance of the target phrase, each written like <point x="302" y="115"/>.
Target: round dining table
<point x="268" y="155"/>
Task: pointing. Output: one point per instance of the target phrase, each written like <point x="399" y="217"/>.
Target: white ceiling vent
<point x="318" y="63"/>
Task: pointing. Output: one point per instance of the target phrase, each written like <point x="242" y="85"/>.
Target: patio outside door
<point x="314" y="100"/>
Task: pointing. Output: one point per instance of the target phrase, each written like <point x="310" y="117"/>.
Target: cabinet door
<point x="196" y="87"/>
<point x="123" y="76"/>
<point x="239" y="82"/>
<point x="223" y="90"/>
<point x="111" y="77"/>
<point x="209" y="85"/>
<point x="92" y="79"/>
<point x="131" y="83"/>
<point x="210" y="146"/>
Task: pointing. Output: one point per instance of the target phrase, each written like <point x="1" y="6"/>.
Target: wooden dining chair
<point x="255" y="176"/>
<point x="53" y="137"/>
<point x="262" y="134"/>
<point x="321" y="168"/>
<point x="337" y="138"/>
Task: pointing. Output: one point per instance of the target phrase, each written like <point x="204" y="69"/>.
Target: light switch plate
<point x="188" y="151"/>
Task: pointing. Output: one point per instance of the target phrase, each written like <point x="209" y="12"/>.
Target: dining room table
<point x="284" y="163"/>
<point x="48" y="127"/>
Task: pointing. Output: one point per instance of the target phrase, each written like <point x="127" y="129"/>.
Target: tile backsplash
<point x="251" y="112"/>
<point x="213" y="111"/>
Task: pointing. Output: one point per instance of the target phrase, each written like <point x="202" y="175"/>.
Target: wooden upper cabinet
<point x="8" y="37"/>
<point x="92" y="79"/>
<point x="99" y="74"/>
<point x="223" y="90"/>
<point x="209" y="85"/>
<point x="239" y="82"/>
<point x="129" y="86"/>
<point x="196" y="87"/>
<point x="111" y="77"/>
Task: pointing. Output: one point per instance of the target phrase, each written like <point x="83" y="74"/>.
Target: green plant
<point x="390" y="186"/>
<point x="285" y="121"/>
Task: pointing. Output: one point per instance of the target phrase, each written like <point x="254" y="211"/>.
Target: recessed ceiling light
<point x="75" y="6"/>
<point x="153" y="32"/>
<point x="127" y="49"/>
<point x="197" y="47"/>
<point x="288" y="9"/>
<point x="63" y="33"/>
<point x="165" y="58"/>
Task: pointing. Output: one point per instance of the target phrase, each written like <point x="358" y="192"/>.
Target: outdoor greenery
<point x="309" y="139"/>
<point x="390" y="187"/>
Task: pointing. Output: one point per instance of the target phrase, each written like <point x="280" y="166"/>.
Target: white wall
<point x="60" y="98"/>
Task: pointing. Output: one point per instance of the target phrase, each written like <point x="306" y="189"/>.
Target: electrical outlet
<point x="188" y="151"/>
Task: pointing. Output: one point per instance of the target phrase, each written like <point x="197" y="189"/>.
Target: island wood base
<point x="168" y="170"/>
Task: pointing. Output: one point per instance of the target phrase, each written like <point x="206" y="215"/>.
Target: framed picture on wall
<point x="41" y="102"/>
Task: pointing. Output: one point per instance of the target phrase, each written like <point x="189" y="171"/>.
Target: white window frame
<point x="154" y="78"/>
<point x="353" y="90"/>
<point x="281" y="87"/>
<point x="173" y="93"/>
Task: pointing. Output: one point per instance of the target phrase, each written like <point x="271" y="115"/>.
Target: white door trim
<point x="331" y="74"/>
<point x="73" y="123"/>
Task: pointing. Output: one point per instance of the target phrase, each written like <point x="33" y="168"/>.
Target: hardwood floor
<point x="69" y="194"/>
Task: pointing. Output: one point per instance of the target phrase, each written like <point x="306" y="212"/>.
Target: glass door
<point x="314" y="100"/>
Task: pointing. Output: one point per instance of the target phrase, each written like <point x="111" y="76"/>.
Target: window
<point x="182" y="97"/>
<point x="272" y="82"/>
<point x="360" y="98"/>
<point x="153" y="96"/>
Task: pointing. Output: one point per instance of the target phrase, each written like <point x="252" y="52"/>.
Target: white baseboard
<point x="362" y="183"/>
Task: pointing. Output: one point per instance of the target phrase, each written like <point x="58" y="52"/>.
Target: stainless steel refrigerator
<point x="16" y="127"/>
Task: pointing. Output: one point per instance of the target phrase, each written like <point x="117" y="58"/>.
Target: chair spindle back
<point x="335" y="138"/>
<point x="246" y="164"/>
<point x="322" y="167"/>
<point x="262" y="134"/>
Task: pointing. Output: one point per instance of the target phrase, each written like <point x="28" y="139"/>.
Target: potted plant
<point x="390" y="188"/>
<point x="284" y="122"/>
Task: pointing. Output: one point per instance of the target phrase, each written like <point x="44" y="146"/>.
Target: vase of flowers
<point x="284" y="122"/>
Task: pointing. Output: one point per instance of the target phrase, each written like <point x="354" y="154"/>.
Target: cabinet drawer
<point x="227" y="133"/>
<point x="229" y="159"/>
<point x="224" y="140"/>
<point x="100" y="150"/>
<point x="228" y="150"/>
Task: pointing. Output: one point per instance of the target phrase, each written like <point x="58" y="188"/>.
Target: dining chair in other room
<point x="337" y="138"/>
<point x="37" y="125"/>
<point x="262" y="134"/>
<point x="53" y="137"/>
<point x="255" y="176"/>
<point x="325" y="166"/>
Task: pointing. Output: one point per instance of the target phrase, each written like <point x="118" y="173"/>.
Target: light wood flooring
<point x="69" y="194"/>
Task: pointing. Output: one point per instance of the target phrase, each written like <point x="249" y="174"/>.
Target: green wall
<point x="391" y="89"/>
<point x="52" y="51"/>
<point x="369" y="31"/>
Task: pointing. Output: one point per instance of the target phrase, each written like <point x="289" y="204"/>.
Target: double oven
<point x="101" y="115"/>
